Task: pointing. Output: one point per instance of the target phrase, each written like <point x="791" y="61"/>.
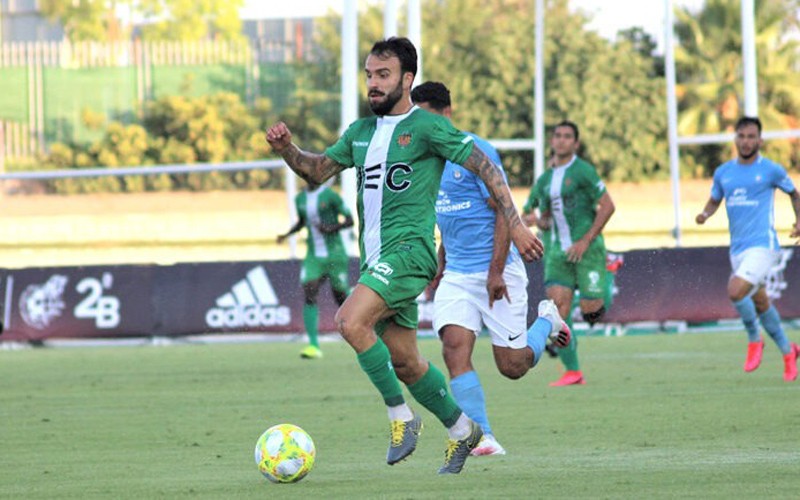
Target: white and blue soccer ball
<point x="285" y="453"/>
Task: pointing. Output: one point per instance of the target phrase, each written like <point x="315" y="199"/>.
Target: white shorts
<point x="754" y="264"/>
<point x="462" y="300"/>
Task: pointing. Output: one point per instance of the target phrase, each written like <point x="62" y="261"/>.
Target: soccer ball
<point x="285" y="453"/>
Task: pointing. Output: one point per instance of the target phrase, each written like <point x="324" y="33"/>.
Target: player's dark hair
<point x="572" y="125"/>
<point x="748" y="120"/>
<point x="400" y="47"/>
<point x="435" y="94"/>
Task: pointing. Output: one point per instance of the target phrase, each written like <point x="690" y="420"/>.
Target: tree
<point x="645" y="45"/>
<point x="176" y="129"/>
<point x="710" y="76"/>
<point x="83" y="20"/>
<point x="191" y="19"/>
<point x="487" y="61"/>
<point x="185" y="20"/>
<point x="611" y="92"/>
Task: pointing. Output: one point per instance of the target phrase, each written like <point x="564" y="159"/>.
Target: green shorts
<point x="589" y="276"/>
<point x="399" y="278"/>
<point x="334" y="268"/>
<point x="608" y="296"/>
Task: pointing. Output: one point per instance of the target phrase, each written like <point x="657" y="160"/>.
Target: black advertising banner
<point x="148" y="300"/>
<point x="685" y="284"/>
<point x="237" y="297"/>
<point x="229" y="297"/>
<point x="93" y="301"/>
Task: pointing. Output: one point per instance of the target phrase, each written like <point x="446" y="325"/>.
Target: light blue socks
<point x="537" y="336"/>
<point x="771" y="321"/>
<point x="747" y="311"/>
<point x="468" y="393"/>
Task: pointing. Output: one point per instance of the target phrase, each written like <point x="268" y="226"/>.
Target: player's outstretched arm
<point x="527" y="243"/>
<point x="298" y="226"/>
<point x="711" y="206"/>
<point x="334" y="228"/>
<point x="313" y="167"/>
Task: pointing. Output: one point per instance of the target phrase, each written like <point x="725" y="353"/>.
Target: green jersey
<point x="321" y="206"/>
<point x="570" y="193"/>
<point x="399" y="161"/>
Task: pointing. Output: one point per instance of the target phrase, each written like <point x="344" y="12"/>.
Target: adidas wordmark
<point x="251" y="302"/>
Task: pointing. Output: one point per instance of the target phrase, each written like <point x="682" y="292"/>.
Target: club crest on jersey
<point x="457" y="174"/>
<point x="404" y="139"/>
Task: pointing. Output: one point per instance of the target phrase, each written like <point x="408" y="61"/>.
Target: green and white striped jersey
<point x="321" y="206"/>
<point x="399" y="160"/>
<point x="571" y="193"/>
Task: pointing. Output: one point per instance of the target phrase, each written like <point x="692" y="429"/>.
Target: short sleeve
<point x="716" y="187"/>
<point x="597" y="187"/>
<point x="782" y="180"/>
<point x="449" y="142"/>
<point x="342" y="151"/>
<point x="536" y="197"/>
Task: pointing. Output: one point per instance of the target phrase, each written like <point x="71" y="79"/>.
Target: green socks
<point x="431" y="392"/>
<point x="377" y="364"/>
<point x="311" y="322"/>
<point x="569" y="354"/>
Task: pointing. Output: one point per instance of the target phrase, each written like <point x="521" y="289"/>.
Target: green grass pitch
<point x="662" y="416"/>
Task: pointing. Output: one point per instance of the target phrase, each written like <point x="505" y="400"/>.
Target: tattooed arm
<point x="495" y="283"/>
<point x="312" y="167"/>
<point x="527" y="243"/>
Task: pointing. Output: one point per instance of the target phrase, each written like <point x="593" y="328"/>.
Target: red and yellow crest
<point x="404" y="139"/>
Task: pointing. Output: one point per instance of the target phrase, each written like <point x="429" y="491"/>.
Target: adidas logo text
<point x="250" y="303"/>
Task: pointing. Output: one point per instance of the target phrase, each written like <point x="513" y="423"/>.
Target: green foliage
<point x="611" y="92"/>
<point x="309" y="117"/>
<point x="463" y="54"/>
<point x="710" y="82"/>
<point x="185" y="20"/>
<point x="487" y="61"/>
<point x="175" y="130"/>
<point x="191" y="19"/>
<point x="645" y="45"/>
<point x="190" y="122"/>
<point x="614" y="90"/>
<point x="86" y="20"/>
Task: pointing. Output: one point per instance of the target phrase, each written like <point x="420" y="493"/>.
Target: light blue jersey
<point x="465" y="219"/>
<point x="749" y="192"/>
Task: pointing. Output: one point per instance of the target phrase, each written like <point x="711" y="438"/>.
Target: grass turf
<point x="662" y="416"/>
